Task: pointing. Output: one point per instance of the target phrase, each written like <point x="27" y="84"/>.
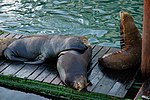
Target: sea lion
<point x="36" y="49"/>
<point x="72" y="67"/>
<point x="130" y="54"/>
<point x="4" y="42"/>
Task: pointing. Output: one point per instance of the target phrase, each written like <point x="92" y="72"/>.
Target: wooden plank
<point x="11" y="35"/>
<point x="50" y="77"/>
<point x="115" y="88"/>
<point x="108" y="81"/>
<point x="103" y="85"/>
<point x="61" y="84"/>
<point x="4" y="35"/>
<point x="95" y="50"/>
<point x="122" y="76"/>
<point x="26" y="71"/>
<point x="4" y="66"/>
<point x="127" y="82"/>
<point x="97" y="73"/>
<point x="1" y="61"/>
<point x="94" y="61"/>
<point x="43" y="75"/>
<point x="18" y="35"/>
<point x="37" y="72"/>
<point x="56" y="81"/>
<point x="13" y="68"/>
<point x="95" y="77"/>
<point x="103" y="51"/>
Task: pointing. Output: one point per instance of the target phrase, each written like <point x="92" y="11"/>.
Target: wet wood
<point x="145" y="66"/>
<point x="106" y="81"/>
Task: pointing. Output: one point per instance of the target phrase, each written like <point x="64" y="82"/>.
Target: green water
<point x="96" y="19"/>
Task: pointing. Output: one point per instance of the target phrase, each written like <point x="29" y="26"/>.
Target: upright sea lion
<point x="72" y="67"/>
<point x="36" y="49"/>
<point x="4" y="42"/>
<point x="130" y="54"/>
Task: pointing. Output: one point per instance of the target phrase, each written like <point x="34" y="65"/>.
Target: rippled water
<point x="96" y="19"/>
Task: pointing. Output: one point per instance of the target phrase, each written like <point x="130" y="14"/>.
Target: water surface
<point x="7" y="94"/>
<point x="96" y="19"/>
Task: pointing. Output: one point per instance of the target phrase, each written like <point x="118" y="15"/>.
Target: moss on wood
<point x="2" y="32"/>
<point x="46" y="89"/>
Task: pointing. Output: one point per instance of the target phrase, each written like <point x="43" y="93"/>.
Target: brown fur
<point x="130" y="54"/>
<point x="145" y="65"/>
<point x="4" y="42"/>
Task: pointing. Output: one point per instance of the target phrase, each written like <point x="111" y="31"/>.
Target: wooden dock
<point x="105" y="81"/>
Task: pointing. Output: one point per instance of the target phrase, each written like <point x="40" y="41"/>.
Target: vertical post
<point x="145" y="65"/>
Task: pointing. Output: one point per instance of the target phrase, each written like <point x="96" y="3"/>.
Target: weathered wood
<point x="56" y="80"/>
<point x="127" y="80"/>
<point x="145" y="66"/>
<point x="4" y="66"/>
<point x="13" y="68"/>
<point x="43" y="75"/>
<point x="50" y="77"/>
<point x="37" y="72"/>
<point x="26" y="71"/>
<point x="99" y="54"/>
<point x="4" y="35"/>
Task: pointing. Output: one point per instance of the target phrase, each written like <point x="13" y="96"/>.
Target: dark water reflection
<point x="96" y="19"/>
<point x="6" y="94"/>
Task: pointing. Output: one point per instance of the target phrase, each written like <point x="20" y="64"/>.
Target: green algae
<point x="2" y="32"/>
<point x="48" y="90"/>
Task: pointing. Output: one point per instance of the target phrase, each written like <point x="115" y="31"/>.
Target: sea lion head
<point x="4" y="42"/>
<point x="85" y="40"/>
<point x="80" y="83"/>
<point x="75" y="43"/>
<point x="126" y="23"/>
<point x="130" y="35"/>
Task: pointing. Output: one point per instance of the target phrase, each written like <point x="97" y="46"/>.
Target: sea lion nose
<point x="120" y="13"/>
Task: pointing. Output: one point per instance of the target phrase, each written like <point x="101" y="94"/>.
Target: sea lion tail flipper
<point x="39" y="59"/>
<point x="8" y="53"/>
<point x="35" y="62"/>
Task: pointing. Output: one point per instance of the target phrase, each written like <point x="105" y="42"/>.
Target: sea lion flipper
<point x="39" y="59"/>
<point x="35" y="62"/>
<point x="9" y="54"/>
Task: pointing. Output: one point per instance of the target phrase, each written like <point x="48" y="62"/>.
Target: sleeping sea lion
<point x="4" y="42"/>
<point x="36" y="49"/>
<point x="130" y="54"/>
<point x="72" y="68"/>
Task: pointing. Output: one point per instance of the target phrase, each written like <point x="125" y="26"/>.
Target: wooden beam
<point x="145" y="66"/>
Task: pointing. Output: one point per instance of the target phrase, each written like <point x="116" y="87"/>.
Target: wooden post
<point x="145" y="66"/>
